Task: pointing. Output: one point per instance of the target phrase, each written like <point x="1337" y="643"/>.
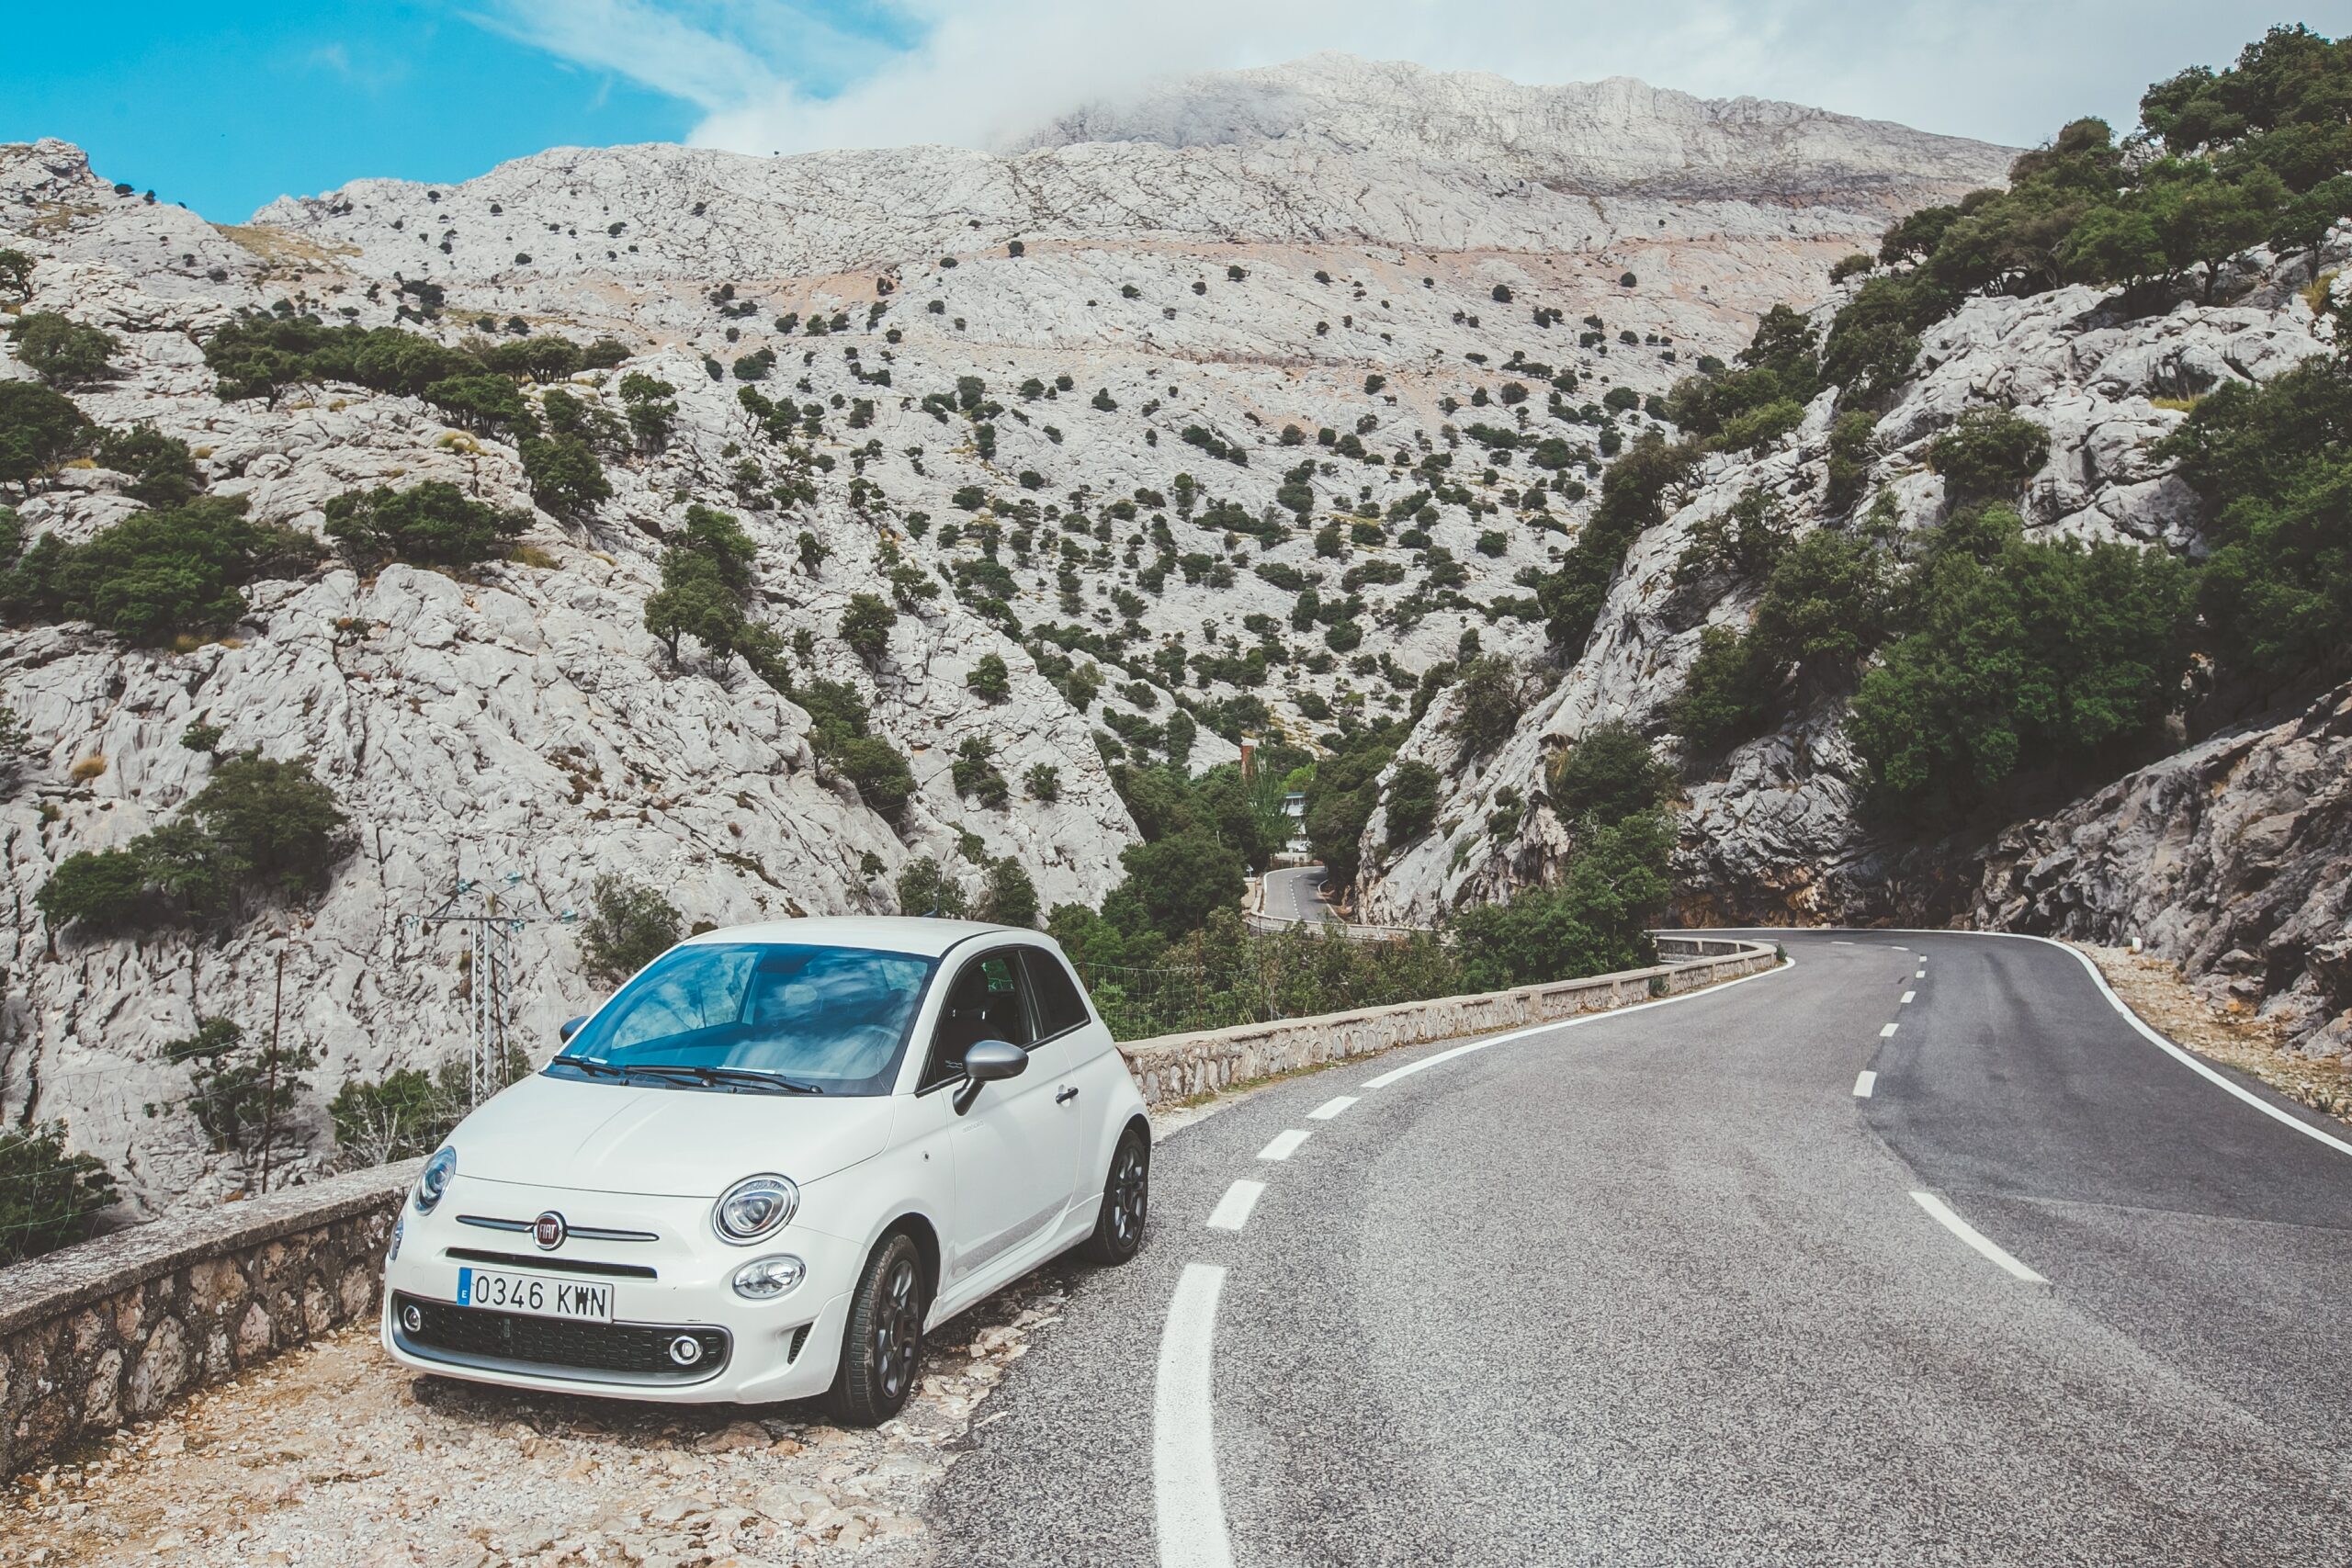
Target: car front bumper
<point x="748" y="1352"/>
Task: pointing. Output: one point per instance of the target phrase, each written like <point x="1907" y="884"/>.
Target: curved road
<point x="1664" y="1286"/>
<point x="1297" y="895"/>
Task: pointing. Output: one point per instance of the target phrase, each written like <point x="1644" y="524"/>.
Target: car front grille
<point x="594" y="1352"/>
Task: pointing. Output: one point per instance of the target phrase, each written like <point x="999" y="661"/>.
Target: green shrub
<point x="257" y="822"/>
<point x="241" y="1093"/>
<point x="38" y="431"/>
<point x="564" y="473"/>
<point x="1633" y="499"/>
<point x="1609" y="773"/>
<point x="1747" y="539"/>
<point x="406" y="1114"/>
<point x="865" y="627"/>
<point x="2273" y="463"/>
<point x="163" y="471"/>
<point x="156" y="575"/>
<point x="47" y="1197"/>
<point x="1491" y="694"/>
<point x="432" y="523"/>
<point x="629" y="925"/>
<point x="1042" y="782"/>
<point x="62" y="353"/>
<point x="1008" y="896"/>
<point x="2019" y="653"/>
<point x="989" y="680"/>
<point x="975" y="772"/>
<point x="1725" y="694"/>
<point x="1595" y="920"/>
<point x="926" y="889"/>
<point x="1411" y="800"/>
<point x="1987" y="454"/>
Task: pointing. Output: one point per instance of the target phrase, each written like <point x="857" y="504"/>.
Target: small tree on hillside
<point x="48" y="1196"/>
<point x="61" y="352"/>
<point x="628" y="926"/>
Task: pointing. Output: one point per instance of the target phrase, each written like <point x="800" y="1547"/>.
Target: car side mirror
<point x="570" y="1027"/>
<point x="985" y="1062"/>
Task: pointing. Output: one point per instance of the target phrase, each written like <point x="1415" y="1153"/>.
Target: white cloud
<point x="983" y="71"/>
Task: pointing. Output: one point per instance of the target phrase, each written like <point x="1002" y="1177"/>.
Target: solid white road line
<point x="1190" y="1509"/>
<point x="1863" y="1084"/>
<point x="2137" y="1023"/>
<point x="1887" y="1033"/>
<point x="1409" y="1068"/>
<point x="1232" y="1211"/>
<point x="1973" y="1237"/>
<point x="1907" y="999"/>
<point x="1330" y="1108"/>
<point x="1285" y="1143"/>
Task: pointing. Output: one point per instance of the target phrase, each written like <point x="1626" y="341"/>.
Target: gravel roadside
<point x="2155" y="988"/>
<point x="334" y="1456"/>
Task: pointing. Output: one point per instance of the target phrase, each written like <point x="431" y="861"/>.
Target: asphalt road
<point x="1291" y="894"/>
<point x="1655" y="1289"/>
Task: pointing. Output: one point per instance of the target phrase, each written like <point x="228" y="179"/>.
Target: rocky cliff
<point x="1369" y="253"/>
<point x="2227" y="856"/>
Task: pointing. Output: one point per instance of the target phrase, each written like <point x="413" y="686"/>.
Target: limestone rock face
<point x="1774" y="833"/>
<point x="1370" y="251"/>
<point x="2233" y="857"/>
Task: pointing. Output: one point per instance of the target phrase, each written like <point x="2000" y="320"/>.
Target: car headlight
<point x="439" y="1172"/>
<point x="764" y="1279"/>
<point x="753" y="1208"/>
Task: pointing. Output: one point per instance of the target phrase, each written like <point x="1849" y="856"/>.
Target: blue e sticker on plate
<point x="465" y="1287"/>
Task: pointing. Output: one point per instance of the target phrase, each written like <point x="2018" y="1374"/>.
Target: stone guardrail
<point x="110" y="1331"/>
<point x="1178" y="1066"/>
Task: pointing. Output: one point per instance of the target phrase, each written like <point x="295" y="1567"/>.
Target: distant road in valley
<point x="1292" y="896"/>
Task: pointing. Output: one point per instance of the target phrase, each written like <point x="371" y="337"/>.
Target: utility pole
<point x="269" y="1101"/>
<point x="489" y="932"/>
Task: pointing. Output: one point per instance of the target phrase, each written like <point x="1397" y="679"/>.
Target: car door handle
<point x="1066" y="1095"/>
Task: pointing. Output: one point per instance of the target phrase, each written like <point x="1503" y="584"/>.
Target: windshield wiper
<point x="725" y="1077"/>
<point x="591" y="1066"/>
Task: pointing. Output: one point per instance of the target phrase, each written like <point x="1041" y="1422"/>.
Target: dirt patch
<point x="2154" y="988"/>
<point x="336" y="1456"/>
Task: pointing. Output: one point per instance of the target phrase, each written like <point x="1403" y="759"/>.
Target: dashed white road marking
<point x="1839" y="941"/>
<point x="1984" y="1243"/>
<point x="1907" y="999"/>
<point x="1190" y="1509"/>
<point x="1921" y="975"/>
<point x="1887" y="1033"/>
<point x="1863" y="1084"/>
<point x="1330" y="1108"/>
<point x="1232" y="1211"/>
<point x="1285" y="1143"/>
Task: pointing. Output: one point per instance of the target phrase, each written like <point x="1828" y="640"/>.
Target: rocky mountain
<point x="1100" y="407"/>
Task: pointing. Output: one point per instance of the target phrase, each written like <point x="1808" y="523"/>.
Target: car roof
<point x="921" y="936"/>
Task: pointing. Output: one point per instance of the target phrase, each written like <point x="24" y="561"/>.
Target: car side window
<point x="1052" y="993"/>
<point x="987" y="1000"/>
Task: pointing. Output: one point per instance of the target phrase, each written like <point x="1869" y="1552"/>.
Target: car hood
<point x="668" y="1143"/>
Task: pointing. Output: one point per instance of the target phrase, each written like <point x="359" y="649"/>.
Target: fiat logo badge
<point x="548" y="1230"/>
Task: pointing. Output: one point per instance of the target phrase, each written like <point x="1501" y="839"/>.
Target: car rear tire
<point x="1126" y="1199"/>
<point x="882" y="1343"/>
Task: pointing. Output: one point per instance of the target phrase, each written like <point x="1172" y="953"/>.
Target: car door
<point x="1016" y="1149"/>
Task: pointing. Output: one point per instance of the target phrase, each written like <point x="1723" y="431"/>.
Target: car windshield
<point x="831" y="1018"/>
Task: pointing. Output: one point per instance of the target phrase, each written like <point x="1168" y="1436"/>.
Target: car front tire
<point x="882" y="1344"/>
<point x="1126" y="1201"/>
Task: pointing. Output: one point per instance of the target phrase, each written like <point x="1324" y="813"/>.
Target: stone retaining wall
<point x="1178" y="1066"/>
<point x="95" y="1335"/>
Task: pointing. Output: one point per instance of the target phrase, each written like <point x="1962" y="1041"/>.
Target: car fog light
<point x="763" y="1278"/>
<point x="413" y="1318"/>
<point x="686" y="1350"/>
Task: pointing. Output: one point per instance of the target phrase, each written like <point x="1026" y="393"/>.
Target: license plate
<point x="535" y="1294"/>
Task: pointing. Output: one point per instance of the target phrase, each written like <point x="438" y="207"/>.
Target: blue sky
<point x="224" y="105"/>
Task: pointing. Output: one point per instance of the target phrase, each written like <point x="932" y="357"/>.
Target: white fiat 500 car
<point x="769" y="1163"/>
